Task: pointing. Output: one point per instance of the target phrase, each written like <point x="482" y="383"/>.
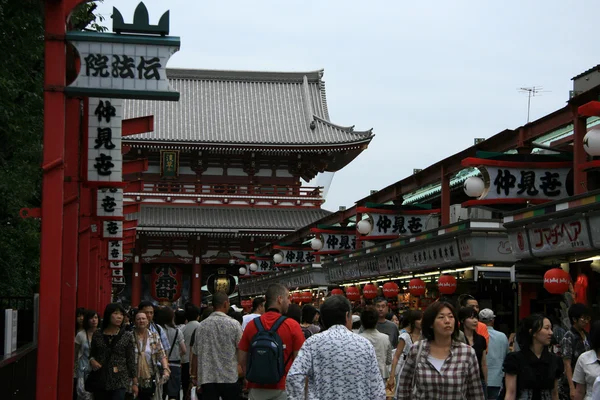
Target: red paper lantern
<point x="306" y="297"/>
<point x="556" y="281"/>
<point x="447" y="284"/>
<point x="416" y="287"/>
<point x="166" y="283"/>
<point x="370" y="291"/>
<point x="390" y="290"/>
<point x="352" y="293"/>
<point x="296" y="297"/>
<point x="337" y="292"/>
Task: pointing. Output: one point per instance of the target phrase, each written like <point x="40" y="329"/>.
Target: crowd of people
<point x="283" y="351"/>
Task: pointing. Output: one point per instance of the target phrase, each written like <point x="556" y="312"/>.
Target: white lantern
<point x="316" y="244"/>
<point x="364" y="227"/>
<point x="253" y="267"/>
<point x="242" y="271"/>
<point x="591" y="141"/>
<point x="474" y="186"/>
<point x="277" y="258"/>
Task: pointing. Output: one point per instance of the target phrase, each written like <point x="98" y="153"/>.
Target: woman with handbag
<point x="112" y="358"/>
<point x="439" y="366"/>
<point x="83" y="341"/>
<point x="148" y="355"/>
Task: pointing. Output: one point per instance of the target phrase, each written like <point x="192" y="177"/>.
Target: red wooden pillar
<point x="83" y="271"/>
<point x="197" y="282"/>
<point x="579" y="154"/>
<point x="136" y="280"/>
<point x="52" y="201"/>
<point x="93" y="284"/>
<point x="445" y="198"/>
<point x="69" y="249"/>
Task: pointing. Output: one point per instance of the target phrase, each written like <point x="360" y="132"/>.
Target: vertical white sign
<point x="105" y="160"/>
<point x="109" y="202"/>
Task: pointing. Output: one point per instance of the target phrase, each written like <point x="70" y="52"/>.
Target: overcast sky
<point x="428" y="77"/>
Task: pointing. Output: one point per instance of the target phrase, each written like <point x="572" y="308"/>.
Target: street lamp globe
<point x="474" y="186"/>
<point x="277" y="257"/>
<point x="364" y="227"/>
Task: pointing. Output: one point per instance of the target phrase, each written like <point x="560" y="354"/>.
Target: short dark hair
<point x="108" y="311"/>
<point x="369" y="318"/>
<point x="410" y="317"/>
<point x="207" y="311"/>
<point x="577" y="311"/>
<point x="466" y="312"/>
<point x="89" y="314"/>
<point x="180" y="317"/>
<point x="595" y="336"/>
<point x="273" y="291"/>
<point x="308" y="313"/>
<point x="430" y="315"/>
<point x="165" y="317"/>
<point x="334" y="310"/>
<point x="256" y="302"/>
<point x="294" y="312"/>
<point x="235" y="315"/>
<point x="80" y="311"/>
<point x="464" y="298"/>
<point x="219" y="298"/>
<point x="533" y="323"/>
<point x="389" y="316"/>
<point x="144" y="304"/>
<point x="191" y="312"/>
<point x="380" y="300"/>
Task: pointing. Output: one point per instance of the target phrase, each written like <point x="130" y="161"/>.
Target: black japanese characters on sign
<point x="112" y="227"/>
<point x="96" y="65"/>
<point x="338" y="242"/>
<point x="390" y="262"/>
<point x="387" y="224"/>
<point x="104" y="138"/>
<point x="351" y="270"/>
<point x="165" y="283"/>
<point x="104" y="165"/>
<point x="368" y="267"/>
<point x="105" y="110"/>
<point x="297" y="257"/>
<point x="336" y="274"/>
<point x="266" y="266"/>
<point x="115" y="250"/>
<point x="431" y="255"/>
<point x="527" y="183"/>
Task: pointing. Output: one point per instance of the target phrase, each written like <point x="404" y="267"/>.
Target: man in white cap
<point x="497" y="350"/>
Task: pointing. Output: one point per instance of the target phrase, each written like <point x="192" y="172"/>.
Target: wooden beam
<point x="135" y="126"/>
<point x="135" y="166"/>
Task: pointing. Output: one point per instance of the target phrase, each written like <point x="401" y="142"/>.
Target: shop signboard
<point x="336" y="274"/>
<point x="526" y="183"/>
<point x="562" y="236"/>
<point x="351" y="270"/>
<point x="519" y="242"/>
<point x="293" y="257"/>
<point x="435" y="254"/>
<point x="594" y="227"/>
<point x="335" y="243"/>
<point x="368" y="267"/>
<point x="398" y="224"/>
<point x="490" y="248"/>
<point x="390" y="263"/>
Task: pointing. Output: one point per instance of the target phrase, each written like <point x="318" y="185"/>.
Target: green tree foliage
<point x="21" y="131"/>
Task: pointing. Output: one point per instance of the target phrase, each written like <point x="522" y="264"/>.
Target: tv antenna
<point x="531" y="92"/>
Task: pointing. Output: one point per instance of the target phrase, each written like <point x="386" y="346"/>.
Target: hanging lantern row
<point x="370" y="291"/>
<point x="557" y="281"/>
<point x="416" y="287"/>
<point x="390" y="290"/>
<point x="337" y="292"/>
<point x="447" y="284"/>
<point x="302" y="297"/>
<point x="352" y="293"/>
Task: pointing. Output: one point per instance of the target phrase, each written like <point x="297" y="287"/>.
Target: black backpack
<point x="265" y="364"/>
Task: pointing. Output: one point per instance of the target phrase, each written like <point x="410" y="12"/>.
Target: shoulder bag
<point x="413" y="382"/>
<point x="96" y="380"/>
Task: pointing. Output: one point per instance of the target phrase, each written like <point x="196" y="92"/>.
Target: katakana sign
<point x="105" y="161"/>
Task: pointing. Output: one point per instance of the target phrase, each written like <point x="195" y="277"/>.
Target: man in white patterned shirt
<point x="338" y="363"/>
<point x="214" y="355"/>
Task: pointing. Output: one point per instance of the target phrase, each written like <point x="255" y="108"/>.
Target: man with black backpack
<point x="268" y="347"/>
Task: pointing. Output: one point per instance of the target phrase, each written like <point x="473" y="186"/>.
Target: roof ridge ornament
<point x="141" y="22"/>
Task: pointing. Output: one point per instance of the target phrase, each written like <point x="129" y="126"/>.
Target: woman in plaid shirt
<point x="446" y="369"/>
